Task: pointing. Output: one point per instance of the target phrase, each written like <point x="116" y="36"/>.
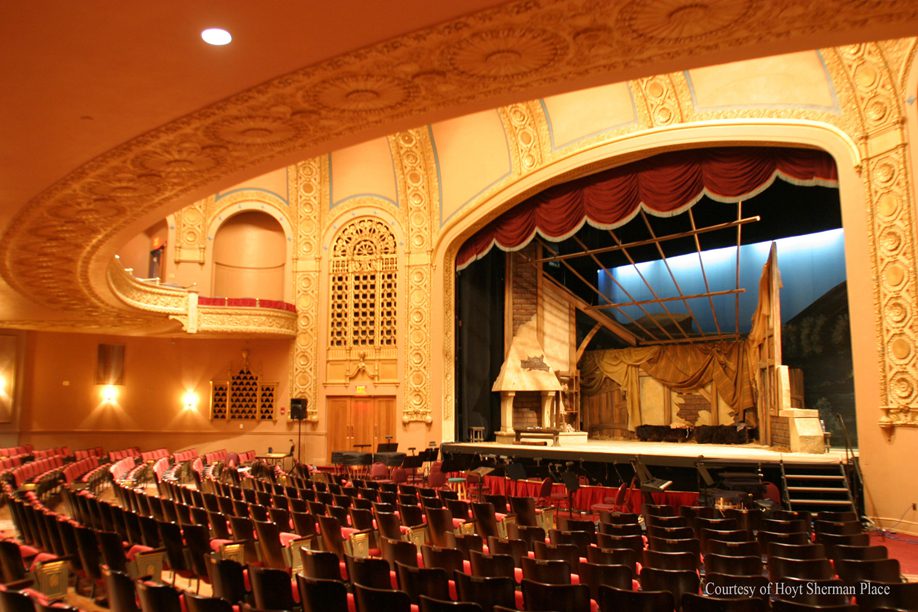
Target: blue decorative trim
<point x="223" y="194"/>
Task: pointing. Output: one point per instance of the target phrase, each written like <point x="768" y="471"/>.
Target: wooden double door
<point x="358" y="420"/>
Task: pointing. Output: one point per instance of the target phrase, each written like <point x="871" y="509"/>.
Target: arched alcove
<point x="249" y="257"/>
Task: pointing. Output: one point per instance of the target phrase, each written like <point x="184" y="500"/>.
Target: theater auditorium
<point x="530" y="305"/>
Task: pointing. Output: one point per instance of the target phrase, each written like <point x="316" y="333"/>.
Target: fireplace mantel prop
<point x="526" y="371"/>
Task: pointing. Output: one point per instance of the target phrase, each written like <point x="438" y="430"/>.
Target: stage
<point x="601" y="466"/>
<point x="669" y="454"/>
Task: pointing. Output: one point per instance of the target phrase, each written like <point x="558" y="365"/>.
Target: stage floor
<point x="651" y="453"/>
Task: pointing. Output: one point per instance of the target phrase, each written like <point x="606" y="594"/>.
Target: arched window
<point x="363" y="286"/>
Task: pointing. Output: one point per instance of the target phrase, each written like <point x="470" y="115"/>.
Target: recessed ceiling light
<point x="216" y="36"/>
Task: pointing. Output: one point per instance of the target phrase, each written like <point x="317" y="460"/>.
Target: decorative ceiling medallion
<point x="95" y="209"/>
<point x="362" y="92"/>
<point x="595" y="38"/>
<point x="122" y="185"/>
<point x="684" y="20"/>
<point x="254" y="130"/>
<point x="182" y="159"/>
<point x="506" y="53"/>
<point x="434" y="80"/>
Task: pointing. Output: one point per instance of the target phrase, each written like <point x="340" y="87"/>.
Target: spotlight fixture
<point x="218" y="37"/>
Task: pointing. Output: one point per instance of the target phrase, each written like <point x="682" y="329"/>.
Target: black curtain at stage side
<point x="479" y="343"/>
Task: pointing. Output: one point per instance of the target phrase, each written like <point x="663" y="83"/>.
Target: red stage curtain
<point x="664" y="185"/>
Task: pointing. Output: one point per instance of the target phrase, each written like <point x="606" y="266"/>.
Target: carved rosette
<point x="308" y="204"/>
<point x="413" y="152"/>
<point x="190" y="233"/>
<point x="521" y="121"/>
<point x="892" y="225"/>
<point x="661" y="103"/>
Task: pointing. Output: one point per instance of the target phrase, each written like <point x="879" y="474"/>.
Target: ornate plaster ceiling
<point x="115" y="116"/>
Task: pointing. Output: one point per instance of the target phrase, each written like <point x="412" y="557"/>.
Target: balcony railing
<point x="200" y="314"/>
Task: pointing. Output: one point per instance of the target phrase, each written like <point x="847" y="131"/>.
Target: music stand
<point x="387" y="447"/>
<point x="515" y="472"/>
<point x="481" y="471"/>
<point x="649" y="483"/>
<point x="572" y="483"/>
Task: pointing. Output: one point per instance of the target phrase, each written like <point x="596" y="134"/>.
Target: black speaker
<point x="516" y="471"/>
<point x="297" y="409"/>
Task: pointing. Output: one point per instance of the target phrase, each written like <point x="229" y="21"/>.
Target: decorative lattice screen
<point x="364" y="281"/>
<point x="242" y="397"/>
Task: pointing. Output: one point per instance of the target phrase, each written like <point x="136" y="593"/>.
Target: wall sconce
<point x="109" y="394"/>
<point x="190" y="400"/>
<point x="4" y="387"/>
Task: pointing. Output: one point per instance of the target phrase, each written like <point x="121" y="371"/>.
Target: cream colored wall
<point x="276" y="183"/>
<point x="792" y="81"/>
<point x="363" y="170"/>
<point x="472" y="155"/>
<point x="580" y="114"/>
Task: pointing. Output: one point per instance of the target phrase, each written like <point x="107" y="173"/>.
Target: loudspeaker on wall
<point x="297" y="409"/>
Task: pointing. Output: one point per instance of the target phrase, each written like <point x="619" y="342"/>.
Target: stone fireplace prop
<point x="526" y="371"/>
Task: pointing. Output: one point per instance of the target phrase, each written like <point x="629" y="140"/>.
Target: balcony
<point x="199" y="314"/>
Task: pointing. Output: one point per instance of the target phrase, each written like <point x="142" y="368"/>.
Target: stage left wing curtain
<point x="682" y="367"/>
<point x="664" y="185"/>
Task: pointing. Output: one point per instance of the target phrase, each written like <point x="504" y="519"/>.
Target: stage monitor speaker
<point x="110" y="364"/>
<point x="516" y="471"/>
<point x="297" y="409"/>
<point x="571" y="480"/>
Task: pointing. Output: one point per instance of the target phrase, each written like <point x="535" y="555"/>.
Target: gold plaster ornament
<point x="414" y="151"/>
<point x="879" y="124"/>
<point x="308" y="178"/>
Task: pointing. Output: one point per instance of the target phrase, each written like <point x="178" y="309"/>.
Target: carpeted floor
<point x="901" y="547"/>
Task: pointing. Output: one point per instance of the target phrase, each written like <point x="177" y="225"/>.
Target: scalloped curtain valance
<point x="663" y="185"/>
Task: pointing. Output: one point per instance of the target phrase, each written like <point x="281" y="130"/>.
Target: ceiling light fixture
<point x="217" y="37"/>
